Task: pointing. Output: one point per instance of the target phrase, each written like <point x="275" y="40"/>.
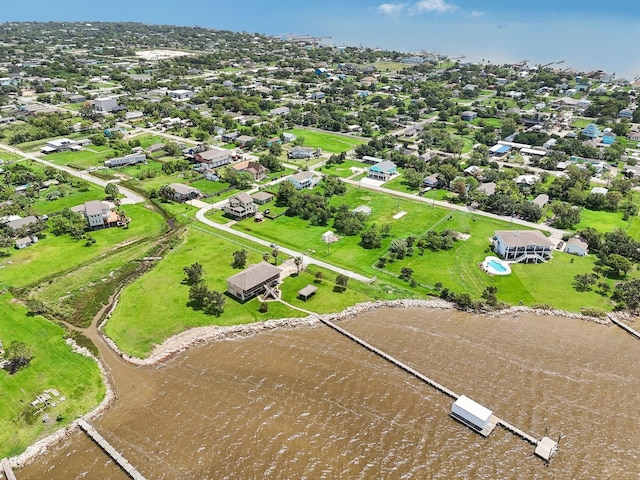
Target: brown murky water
<point x="311" y="404"/>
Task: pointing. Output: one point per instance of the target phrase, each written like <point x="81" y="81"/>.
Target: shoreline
<point x="201" y="335"/>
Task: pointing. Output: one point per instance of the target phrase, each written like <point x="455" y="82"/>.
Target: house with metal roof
<point x="383" y="170"/>
<point x="240" y="206"/>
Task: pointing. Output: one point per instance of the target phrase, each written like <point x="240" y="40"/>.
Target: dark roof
<point x="254" y="276"/>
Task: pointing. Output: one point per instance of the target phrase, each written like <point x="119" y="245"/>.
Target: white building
<point x="471" y="413"/>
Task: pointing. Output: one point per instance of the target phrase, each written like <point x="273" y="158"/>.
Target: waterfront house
<point x="253" y="281"/>
<point x="528" y="246"/>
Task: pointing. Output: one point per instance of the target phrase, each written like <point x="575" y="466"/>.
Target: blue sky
<point x="587" y="35"/>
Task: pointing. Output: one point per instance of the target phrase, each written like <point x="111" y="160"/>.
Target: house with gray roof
<point x="253" y="281"/>
<point x="522" y="246"/>
<point x="382" y="171"/>
<point x="305" y="179"/>
<point x="16" y="225"/>
<point x="240" y="206"/>
<point x="182" y="192"/>
<point x="577" y="246"/>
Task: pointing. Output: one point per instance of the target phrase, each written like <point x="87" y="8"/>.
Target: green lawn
<point x="492" y="122"/>
<point x="581" y="122"/>
<point x="8" y="156"/>
<point x="328" y="142"/>
<point x="54" y="365"/>
<point x="53" y="255"/>
<point x="44" y="206"/>
<point x="82" y="159"/>
<point x="608" y="221"/>
<point x="344" y="169"/>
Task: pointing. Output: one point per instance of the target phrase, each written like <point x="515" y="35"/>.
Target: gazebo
<point x="307" y="292"/>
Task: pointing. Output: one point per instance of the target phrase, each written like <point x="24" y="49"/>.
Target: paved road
<point x="131" y="197"/>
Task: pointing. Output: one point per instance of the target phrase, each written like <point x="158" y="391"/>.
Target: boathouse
<point x="473" y="415"/>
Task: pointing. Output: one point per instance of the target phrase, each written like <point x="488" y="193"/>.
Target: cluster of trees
<point x="18" y="355"/>
<point x="201" y="297"/>
<point x="41" y="125"/>
<point x="70" y="222"/>
<point x="399" y="248"/>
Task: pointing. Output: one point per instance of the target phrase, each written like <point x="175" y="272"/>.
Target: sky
<point x="586" y="35"/>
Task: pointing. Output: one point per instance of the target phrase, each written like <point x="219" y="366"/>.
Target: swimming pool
<point x="495" y="266"/>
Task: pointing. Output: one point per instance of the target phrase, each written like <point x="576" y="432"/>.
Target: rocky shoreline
<point x="201" y="335"/>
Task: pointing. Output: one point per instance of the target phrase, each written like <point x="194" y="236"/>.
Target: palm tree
<point x="298" y="262"/>
<point x="274" y="254"/>
<point x="266" y="256"/>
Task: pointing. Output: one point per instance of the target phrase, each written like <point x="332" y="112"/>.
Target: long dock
<point x="7" y="470"/>
<point x="624" y="326"/>
<point x="545" y="447"/>
<point x="110" y="450"/>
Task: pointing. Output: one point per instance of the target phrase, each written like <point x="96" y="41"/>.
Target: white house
<point x="522" y="245"/>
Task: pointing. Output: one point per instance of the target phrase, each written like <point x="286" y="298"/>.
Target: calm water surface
<point x="310" y="404"/>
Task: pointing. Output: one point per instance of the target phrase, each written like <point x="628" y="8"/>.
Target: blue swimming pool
<point x="497" y="266"/>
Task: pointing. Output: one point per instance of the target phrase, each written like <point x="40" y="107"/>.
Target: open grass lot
<point x="82" y="159"/>
<point x="344" y="169"/>
<point x="8" y="156"/>
<point x="492" y="122"/>
<point x="328" y="142"/>
<point x="581" y="122"/>
<point x="608" y="221"/>
<point x="148" y="139"/>
<point x="209" y="187"/>
<point x="390" y="66"/>
<point x="53" y="255"/>
<point x="54" y="365"/>
<point x="76" y="197"/>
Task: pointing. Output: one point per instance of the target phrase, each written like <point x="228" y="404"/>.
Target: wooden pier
<point x="7" y="470"/>
<point x="110" y="450"/>
<point x="624" y="326"/>
<point x="545" y="448"/>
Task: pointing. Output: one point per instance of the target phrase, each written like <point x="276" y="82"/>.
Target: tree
<point x="166" y="192"/>
<point x="111" y="190"/>
<point x="266" y="256"/>
<point x="264" y="307"/>
<point x="489" y="294"/>
<point x="286" y="192"/>
<point x="274" y="254"/>
<point x="341" y="283"/>
<point x="18" y="355"/>
<point x="333" y="185"/>
<point x="584" y="282"/>
<point x="240" y="258"/>
<point x="628" y="293"/>
<point x="617" y="263"/>
<point x="298" y="263"/>
<point x="406" y="273"/>
<point x="214" y="303"/>
<point x="371" y="238"/>
<point x="198" y="295"/>
<point x="195" y="274"/>
<point x="87" y="112"/>
<point x="318" y="276"/>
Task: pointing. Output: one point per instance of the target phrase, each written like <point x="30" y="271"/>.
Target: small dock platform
<point x="7" y="470"/>
<point x="546" y="448"/>
<point x="110" y="450"/>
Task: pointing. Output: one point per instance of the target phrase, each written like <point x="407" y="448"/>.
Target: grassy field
<point x="54" y="365"/>
<point x="608" y="221"/>
<point x="8" y="156"/>
<point x="55" y="255"/>
<point x="44" y="206"/>
<point x="82" y="159"/>
<point x="581" y="122"/>
<point x="344" y="169"/>
<point x="328" y="142"/>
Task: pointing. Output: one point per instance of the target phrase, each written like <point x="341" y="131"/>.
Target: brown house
<point x="257" y="171"/>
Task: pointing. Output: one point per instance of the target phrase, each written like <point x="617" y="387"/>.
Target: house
<point x="382" y="171"/>
<point x="229" y="137"/>
<point x="472" y="170"/>
<point x="288" y="137"/>
<point x="76" y="98"/>
<point x="279" y="111"/>
<point x="591" y="131"/>
<point x="626" y="113"/>
<point x="257" y="171"/>
<point x="242" y="140"/>
<point x="599" y="191"/>
<point x="106" y="104"/>
<point x="372" y="160"/>
<point x="60" y="145"/>
<point x="98" y="214"/>
<point x="180" y="94"/>
<point x="302" y="180"/>
<point x="522" y="246"/>
<point x="576" y="246"/>
<point x="240" y="206"/>
<point x="468" y="116"/>
<point x="182" y="192"/>
<point x="214" y="158"/>
<point x="253" y="281"/>
<point x="634" y="136"/>
<point x="526" y="181"/>
<point x="565" y="102"/>
<point x="262" y="197"/>
<point x="488" y="188"/>
<point x="19" y="223"/>
<point x="499" y="150"/>
<point x="24" y="242"/>
<point x="431" y="181"/>
<point x="300" y="153"/>
<point x="132" y="159"/>
<point x="608" y="138"/>
<point x="541" y="200"/>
